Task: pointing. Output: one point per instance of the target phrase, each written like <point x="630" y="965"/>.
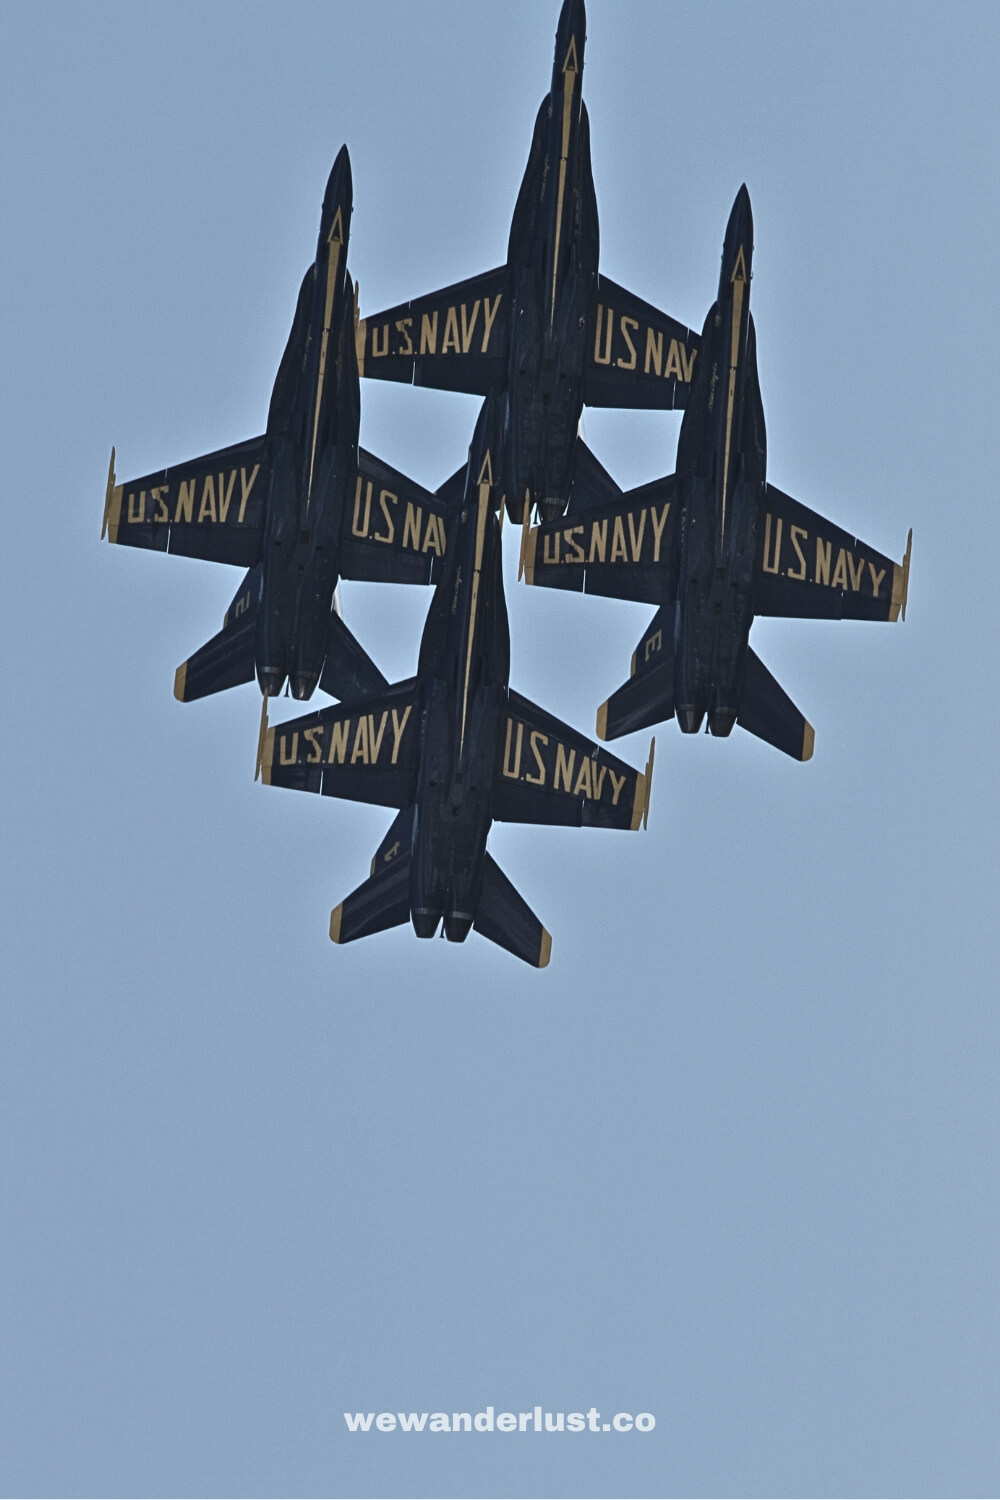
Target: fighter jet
<point x="715" y="544"/>
<point x="281" y="504"/>
<point x="544" y="328"/>
<point x="453" y="749"/>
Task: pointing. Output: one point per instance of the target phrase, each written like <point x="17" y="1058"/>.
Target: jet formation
<point x="712" y="545"/>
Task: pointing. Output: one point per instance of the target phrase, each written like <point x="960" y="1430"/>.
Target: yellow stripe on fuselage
<point x="332" y="267"/>
<point x="485" y="486"/>
<point x="739" y="281"/>
<point x="569" y="84"/>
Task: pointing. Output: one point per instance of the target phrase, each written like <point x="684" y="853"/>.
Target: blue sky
<point x="732" y="1158"/>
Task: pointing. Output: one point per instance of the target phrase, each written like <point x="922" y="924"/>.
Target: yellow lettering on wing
<point x="839" y="580"/>
<point x="315" y="738"/>
<point x="618" y="553"/>
<point x="375" y="736"/>
<point x="137" y="508"/>
<point x="359" y="527"/>
<point x="207" y="507"/>
<point x="429" y="332"/>
<point x="674" y="364"/>
<point x="380" y="346"/>
<point x="654" y="352"/>
<point x="359" y="750"/>
<point x="604" y="320"/>
<point x="339" y="731"/>
<point x="536" y="738"/>
<point x="630" y="362"/>
<point x="771" y="561"/>
<point x="823" y="550"/>
<point x="398" y="726"/>
<point x="856" y="573"/>
<point x="246" y="485"/>
<point x="635" y="537"/>
<point x="184" y="510"/>
<point x="654" y="644"/>
<point x="876" y="579"/>
<point x="617" y="782"/>
<point x="598" y="541"/>
<point x="403" y="326"/>
<point x="565" y="760"/>
<point x="658" y="528"/>
<point x="411" y="525"/>
<point x="450" y="340"/>
<point x="800" y="572"/>
<point x="162" y="509"/>
<point x="584" y="785"/>
<point x="577" y="554"/>
<point x="469" y="325"/>
<point x="292" y="746"/>
<point x="226" y="494"/>
<point x="489" y="316"/>
<point x="689" y="360"/>
<point x="434" y="540"/>
<point x="550" y="547"/>
<point x="512" y="768"/>
<point x="385" y="497"/>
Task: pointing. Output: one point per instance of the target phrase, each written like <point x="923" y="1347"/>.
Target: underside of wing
<point x="395" y="531"/>
<point x="640" y="356"/>
<point x="210" y="507"/>
<point x="623" y="551"/>
<point x="810" y="569"/>
<point x="366" y="751"/>
<point x="550" y="773"/>
<point x="453" y="340"/>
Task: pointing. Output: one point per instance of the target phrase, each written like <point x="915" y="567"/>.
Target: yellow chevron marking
<point x="485" y="485"/>
<point x="739" y="281"/>
<point x="335" y="240"/>
<point x="570" y="70"/>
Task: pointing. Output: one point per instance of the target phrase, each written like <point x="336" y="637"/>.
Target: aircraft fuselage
<point x="552" y="260"/>
<point x="721" y="471"/>
<point x="464" y="670"/>
<point x="312" y="428"/>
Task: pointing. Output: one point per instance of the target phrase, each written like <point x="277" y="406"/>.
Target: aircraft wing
<point x="366" y="751"/>
<point x="453" y="340"/>
<point x="395" y="531"/>
<point x="623" y="551"/>
<point x="210" y="507"/>
<point x="550" y="773"/>
<point x="810" y="569"/>
<point x="640" y="356"/>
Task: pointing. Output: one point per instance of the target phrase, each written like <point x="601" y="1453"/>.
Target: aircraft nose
<point x="340" y="183"/>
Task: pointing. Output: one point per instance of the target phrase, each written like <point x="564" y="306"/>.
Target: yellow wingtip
<point x="108" y="492"/>
<point x="602" y="721"/>
<point x="649" y="782"/>
<point x="545" y="950"/>
<point x="808" y="742"/>
<point x="525" y="527"/>
<point x="335" y="920"/>
<point x="180" y="682"/>
<point x="261" y="738"/>
<point x="906" y="571"/>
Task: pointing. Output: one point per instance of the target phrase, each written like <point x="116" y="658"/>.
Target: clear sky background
<point x="732" y="1158"/>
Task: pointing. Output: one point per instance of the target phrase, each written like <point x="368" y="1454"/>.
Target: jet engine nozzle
<point x="425" y="923"/>
<point x="303" y="684"/>
<point x="690" y="719"/>
<point x="457" y="925"/>
<point x="721" y="721"/>
<point x="271" y="681"/>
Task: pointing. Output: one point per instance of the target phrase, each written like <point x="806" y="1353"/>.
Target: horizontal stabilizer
<point x="642" y="701"/>
<point x="399" y="840"/>
<point x="226" y="661"/>
<point x="349" y="671"/>
<point x="592" y="484"/>
<point x="382" y="901"/>
<point x="506" y="919"/>
<point x="767" y="711"/>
